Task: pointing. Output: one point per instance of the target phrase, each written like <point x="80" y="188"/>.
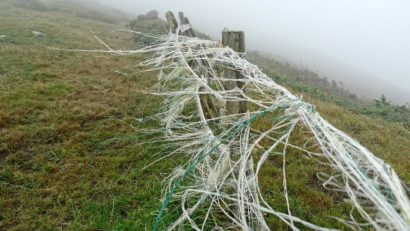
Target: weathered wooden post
<point x="185" y="29"/>
<point x="172" y="22"/>
<point x="181" y="17"/>
<point x="230" y="38"/>
<point x="185" y="26"/>
<point x="236" y="41"/>
<point x="189" y="30"/>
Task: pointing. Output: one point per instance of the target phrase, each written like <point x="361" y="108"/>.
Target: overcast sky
<point x="370" y="36"/>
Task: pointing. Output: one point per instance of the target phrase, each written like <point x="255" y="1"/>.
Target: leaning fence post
<point x="185" y="29"/>
<point x="236" y="41"/>
<point x="188" y="28"/>
<point x="172" y="22"/>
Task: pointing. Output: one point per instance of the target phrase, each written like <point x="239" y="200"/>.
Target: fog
<point x="364" y="43"/>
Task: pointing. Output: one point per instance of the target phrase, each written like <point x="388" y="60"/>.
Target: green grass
<point x="69" y="158"/>
<point x="57" y="112"/>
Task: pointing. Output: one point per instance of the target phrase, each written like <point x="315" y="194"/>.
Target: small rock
<point x="2" y="36"/>
<point x="38" y="33"/>
<point x="120" y="73"/>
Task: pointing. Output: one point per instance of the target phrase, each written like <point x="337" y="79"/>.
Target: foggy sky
<point x="371" y="37"/>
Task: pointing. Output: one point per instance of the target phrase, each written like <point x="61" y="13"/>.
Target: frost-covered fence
<point x="232" y="39"/>
<point x="218" y="187"/>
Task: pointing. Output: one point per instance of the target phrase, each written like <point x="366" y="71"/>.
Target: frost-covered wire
<point x="218" y="187"/>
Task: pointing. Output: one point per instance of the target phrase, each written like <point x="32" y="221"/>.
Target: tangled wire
<point x="213" y="99"/>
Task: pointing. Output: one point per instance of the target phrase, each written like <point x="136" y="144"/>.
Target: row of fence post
<point x="233" y="39"/>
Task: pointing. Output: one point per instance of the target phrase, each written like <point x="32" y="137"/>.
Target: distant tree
<point x="382" y="101"/>
<point x="353" y="96"/>
<point x="325" y="81"/>
<point x="334" y="84"/>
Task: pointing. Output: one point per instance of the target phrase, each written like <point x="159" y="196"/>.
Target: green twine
<point x="195" y="162"/>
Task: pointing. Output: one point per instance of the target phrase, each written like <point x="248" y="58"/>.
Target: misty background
<point x="365" y="43"/>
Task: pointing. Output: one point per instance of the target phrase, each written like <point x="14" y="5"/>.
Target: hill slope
<point x="69" y="158"/>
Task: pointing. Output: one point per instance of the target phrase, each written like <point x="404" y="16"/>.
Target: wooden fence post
<point x="232" y="39"/>
<point x="189" y="30"/>
<point x="185" y="26"/>
<point x="207" y="101"/>
<point x="181" y="17"/>
<point x="236" y="41"/>
<point x="172" y="22"/>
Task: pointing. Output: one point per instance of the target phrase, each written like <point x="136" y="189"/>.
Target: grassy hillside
<point x="87" y="9"/>
<point x="306" y="82"/>
<point x="57" y="112"/>
<point x="69" y="157"/>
